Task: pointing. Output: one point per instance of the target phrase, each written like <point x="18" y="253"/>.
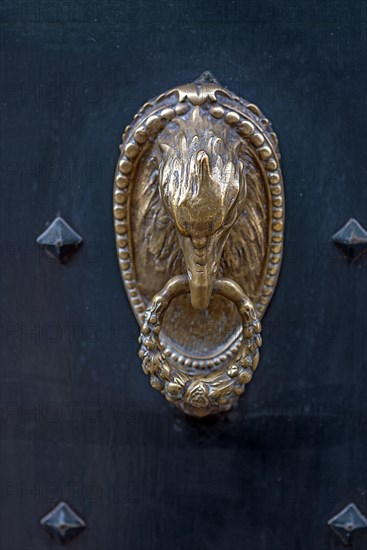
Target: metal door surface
<point x="79" y="422"/>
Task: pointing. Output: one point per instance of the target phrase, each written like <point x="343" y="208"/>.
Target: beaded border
<point x="251" y="125"/>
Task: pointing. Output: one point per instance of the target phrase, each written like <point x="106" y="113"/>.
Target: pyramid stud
<point x="62" y="523"/>
<point x="206" y="78"/>
<point x="352" y="239"/>
<point x="348" y="523"/>
<point x="59" y="240"/>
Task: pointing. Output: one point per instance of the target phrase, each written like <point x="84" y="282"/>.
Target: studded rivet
<point x="59" y="239"/>
<point x="348" y="523"/>
<point x="63" y="523"/>
<point x="352" y="239"/>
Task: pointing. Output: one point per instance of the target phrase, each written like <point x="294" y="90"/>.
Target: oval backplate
<point x="147" y="243"/>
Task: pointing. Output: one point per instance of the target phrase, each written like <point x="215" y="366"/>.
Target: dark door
<point x="79" y="421"/>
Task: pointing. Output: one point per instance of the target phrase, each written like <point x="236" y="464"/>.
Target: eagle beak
<point x="201" y="263"/>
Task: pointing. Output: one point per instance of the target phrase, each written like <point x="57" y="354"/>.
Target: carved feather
<point x="245" y="247"/>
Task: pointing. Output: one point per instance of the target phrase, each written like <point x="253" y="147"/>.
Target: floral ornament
<point x="200" y="394"/>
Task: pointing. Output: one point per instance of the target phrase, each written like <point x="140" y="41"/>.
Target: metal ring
<point x="200" y="394"/>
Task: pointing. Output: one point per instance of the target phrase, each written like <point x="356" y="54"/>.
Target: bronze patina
<point x="199" y="222"/>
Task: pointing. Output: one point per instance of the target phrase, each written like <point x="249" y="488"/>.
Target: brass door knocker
<point x="199" y="221"/>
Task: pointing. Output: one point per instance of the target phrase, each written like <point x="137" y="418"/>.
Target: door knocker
<point x="199" y="222"/>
